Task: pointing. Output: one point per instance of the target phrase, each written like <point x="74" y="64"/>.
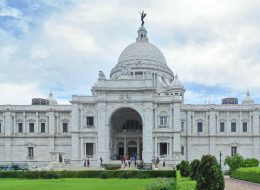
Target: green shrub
<point x="161" y="184"/>
<point x="248" y="174"/>
<point x="124" y="175"/>
<point x="234" y="162"/>
<point x="194" y="169"/>
<point x="250" y="162"/>
<point x="210" y="174"/>
<point x="103" y="175"/>
<point x="237" y="161"/>
<point x="88" y="174"/>
<point x="143" y="175"/>
<point x="184" y="168"/>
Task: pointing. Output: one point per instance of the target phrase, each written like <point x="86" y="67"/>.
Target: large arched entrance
<point x="126" y="134"/>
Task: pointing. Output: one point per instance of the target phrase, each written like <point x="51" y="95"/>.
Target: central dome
<point x="142" y="56"/>
<point x="141" y="51"/>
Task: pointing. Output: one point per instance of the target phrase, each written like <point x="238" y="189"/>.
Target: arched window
<point x="132" y="125"/>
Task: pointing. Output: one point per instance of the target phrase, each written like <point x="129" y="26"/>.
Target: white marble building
<point x="139" y="110"/>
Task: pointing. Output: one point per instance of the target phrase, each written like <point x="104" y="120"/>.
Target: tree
<point x="194" y="169"/>
<point x="184" y="168"/>
<point x="234" y="162"/>
<point x="210" y="174"/>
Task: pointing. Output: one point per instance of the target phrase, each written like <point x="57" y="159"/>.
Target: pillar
<point x="104" y="142"/>
<point x="148" y="132"/>
<point x="74" y="136"/>
<point x="51" y="124"/>
<point x="177" y="133"/>
<point x="212" y="133"/>
<point x="8" y="123"/>
<point x="256" y="138"/>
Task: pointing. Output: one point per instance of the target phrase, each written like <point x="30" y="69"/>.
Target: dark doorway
<point x="60" y="157"/>
<point x="163" y="148"/>
<point x="126" y="124"/>
<point x="132" y="151"/>
<point x="121" y="152"/>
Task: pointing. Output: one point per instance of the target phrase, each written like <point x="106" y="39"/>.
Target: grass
<point x="184" y="183"/>
<point x="248" y="174"/>
<point x="74" y="184"/>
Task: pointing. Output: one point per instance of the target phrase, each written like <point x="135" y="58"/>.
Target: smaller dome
<point x="51" y="99"/>
<point x="176" y="83"/>
<point x="248" y="99"/>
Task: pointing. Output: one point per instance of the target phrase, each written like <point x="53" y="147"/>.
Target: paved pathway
<point x="233" y="184"/>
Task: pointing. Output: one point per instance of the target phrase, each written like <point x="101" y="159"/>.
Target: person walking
<point x="163" y="162"/>
<point x="85" y="163"/>
<point x="157" y="162"/>
<point x="101" y="161"/>
<point x="88" y="163"/>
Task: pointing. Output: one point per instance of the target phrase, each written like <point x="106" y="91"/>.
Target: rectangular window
<point x="30" y="153"/>
<point x="20" y="127"/>
<point x="163" y="149"/>
<point x="182" y="126"/>
<point x="200" y="126"/>
<point x="233" y="127"/>
<point x="89" y="149"/>
<point x="42" y="127"/>
<point x="245" y="127"/>
<point x="222" y="127"/>
<point x="163" y="120"/>
<point x="31" y="127"/>
<point x="90" y="121"/>
<point x="233" y="150"/>
<point x="0" y="127"/>
<point x="182" y="150"/>
<point x="65" y="127"/>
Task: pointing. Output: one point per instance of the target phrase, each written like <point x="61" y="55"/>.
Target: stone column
<point x="74" y="133"/>
<point x="155" y="147"/>
<point x="171" y="117"/>
<point x="138" y="146"/>
<point x="177" y="133"/>
<point x="212" y="133"/>
<point x="103" y="134"/>
<point x="147" y="132"/>
<point x="8" y="122"/>
<point x="37" y="130"/>
<point x="51" y="124"/>
<point x="15" y="130"/>
<point x="125" y="146"/>
<point x="170" y="147"/>
<point x="256" y="138"/>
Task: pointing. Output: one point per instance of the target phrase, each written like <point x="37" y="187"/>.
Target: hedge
<point x="248" y="174"/>
<point x="88" y="174"/>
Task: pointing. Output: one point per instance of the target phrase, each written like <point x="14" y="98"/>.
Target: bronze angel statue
<point x="142" y="16"/>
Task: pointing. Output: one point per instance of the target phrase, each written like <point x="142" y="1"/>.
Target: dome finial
<point x="143" y="14"/>
<point x="142" y="33"/>
<point x="176" y="76"/>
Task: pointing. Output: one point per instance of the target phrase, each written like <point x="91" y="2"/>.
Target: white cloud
<point x="213" y="43"/>
<point x="9" y="11"/>
<point x="18" y="93"/>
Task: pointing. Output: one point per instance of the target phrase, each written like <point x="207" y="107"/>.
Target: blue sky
<point x="60" y="45"/>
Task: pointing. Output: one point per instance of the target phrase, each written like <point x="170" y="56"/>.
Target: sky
<point x="60" y="45"/>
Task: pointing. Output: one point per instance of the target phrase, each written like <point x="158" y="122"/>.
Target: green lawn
<point x="184" y="183"/>
<point x="74" y="184"/>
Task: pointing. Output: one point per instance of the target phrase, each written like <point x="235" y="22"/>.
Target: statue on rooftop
<point x="142" y="17"/>
<point x="101" y="75"/>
